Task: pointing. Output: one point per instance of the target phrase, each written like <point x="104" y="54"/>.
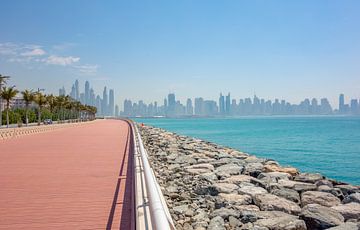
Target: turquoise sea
<point x="329" y="145"/>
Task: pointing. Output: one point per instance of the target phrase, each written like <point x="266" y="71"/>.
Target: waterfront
<point x="326" y="144"/>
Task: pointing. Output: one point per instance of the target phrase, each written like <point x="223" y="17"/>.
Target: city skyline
<point x="146" y="50"/>
<point x="200" y="107"/>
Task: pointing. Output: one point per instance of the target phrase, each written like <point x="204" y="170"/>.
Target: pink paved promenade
<point x="71" y="178"/>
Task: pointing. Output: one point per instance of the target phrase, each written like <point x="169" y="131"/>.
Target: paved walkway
<point x="72" y="178"/>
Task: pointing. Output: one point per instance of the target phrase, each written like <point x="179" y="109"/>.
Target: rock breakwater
<point x="208" y="186"/>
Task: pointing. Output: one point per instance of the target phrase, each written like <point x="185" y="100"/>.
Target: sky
<point x="145" y="49"/>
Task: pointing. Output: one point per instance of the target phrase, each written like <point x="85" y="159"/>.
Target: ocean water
<point x="329" y="145"/>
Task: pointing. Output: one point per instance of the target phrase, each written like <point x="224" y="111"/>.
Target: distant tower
<point x="171" y="104"/>
<point x="111" y="102"/>
<point x="77" y="93"/>
<point x="116" y="111"/>
<point x="87" y="93"/>
<point x="221" y="104"/>
<point x="104" y="104"/>
<point x="73" y="92"/>
<point x="227" y="105"/>
<point x="341" y="103"/>
<point x="189" y="107"/>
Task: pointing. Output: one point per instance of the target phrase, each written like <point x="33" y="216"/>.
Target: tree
<point x="51" y="101"/>
<point x="8" y="94"/>
<point x="40" y="100"/>
<point x="28" y="97"/>
<point x="2" y="82"/>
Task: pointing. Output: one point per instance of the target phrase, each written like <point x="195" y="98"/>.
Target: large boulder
<point x="235" y="199"/>
<point x="253" y="169"/>
<point x="322" y="198"/>
<point x="349" y="211"/>
<point x="251" y="190"/>
<point x="297" y="186"/>
<point x="346" y="226"/>
<point x="225" y="187"/>
<point x="238" y="179"/>
<point x="275" y="168"/>
<point x="354" y="197"/>
<point x="348" y="189"/>
<point x="217" y="223"/>
<point x="200" y="168"/>
<point x="320" y="217"/>
<point x="225" y="213"/>
<point x="270" y="202"/>
<point x="228" y="169"/>
<point x="309" y="177"/>
<point x="274" y="176"/>
<point x="287" y="193"/>
<point x="282" y="223"/>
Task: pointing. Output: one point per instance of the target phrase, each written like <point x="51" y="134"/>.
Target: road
<point x="71" y="178"/>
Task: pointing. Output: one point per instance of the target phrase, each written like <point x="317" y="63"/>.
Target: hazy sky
<point x="146" y="49"/>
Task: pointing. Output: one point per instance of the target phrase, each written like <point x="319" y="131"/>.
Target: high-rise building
<point x="77" y="91"/>
<point x="341" y="103"/>
<point x="92" y="97"/>
<point x="221" y="104"/>
<point x="111" y="102"/>
<point x="227" y="104"/>
<point x="98" y="104"/>
<point x="189" y="107"/>
<point x="199" y="106"/>
<point x="171" y="104"/>
<point x="354" y="106"/>
<point x="62" y="91"/>
<point x="87" y="93"/>
<point x="73" y="92"/>
<point x="104" y="104"/>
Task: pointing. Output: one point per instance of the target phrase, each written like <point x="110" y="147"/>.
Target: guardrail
<point x="23" y="131"/>
<point x="151" y="209"/>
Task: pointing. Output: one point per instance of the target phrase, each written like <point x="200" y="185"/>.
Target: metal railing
<point x="156" y="215"/>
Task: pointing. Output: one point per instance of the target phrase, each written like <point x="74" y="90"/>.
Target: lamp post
<point x="2" y="81"/>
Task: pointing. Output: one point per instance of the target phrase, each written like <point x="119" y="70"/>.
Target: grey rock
<point x="347" y="189"/>
<point x="229" y="169"/>
<point x="217" y="223"/>
<point x="282" y="223"/>
<point x="297" y="186"/>
<point x="288" y="194"/>
<point x="247" y="208"/>
<point x="200" y="168"/>
<point x="184" y="159"/>
<point x="251" y="190"/>
<point x="270" y="202"/>
<point x="349" y="211"/>
<point x="354" y="197"/>
<point x="248" y="216"/>
<point x="234" y="222"/>
<point x="274" y="176"/>
<point x="253" y="169"/>
<point x="225" y="187"/>
<point x="235" y="199"/>
<point x="322" y="198"/>
<point x="225" y="213"/>
<point x="210" y="176"/>
<point x="324" y="182"/>
<point x="309" y="177"/>
<point x="238" y="179"/>
<point x="346" y="226"/>
<point x="320" y="217"/>
<point x="180" y="209"/>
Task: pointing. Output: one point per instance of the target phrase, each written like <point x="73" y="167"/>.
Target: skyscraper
<point x="221" y="104"/>
<point x="341" y="103"/>
<point x="171" y="104"/>
<point x="199" y="106"/>
<point x="116" y="111"/>
<point x="77" y="91"/>
<point x="73" y="92"/>
<point x="87" y="93"/>
<point x="227" y="105"/>
<point x="189" y="107"/>
<point x="111" y="102"/>
<point x="62" y="91"/>
<point x="104" y="104"/>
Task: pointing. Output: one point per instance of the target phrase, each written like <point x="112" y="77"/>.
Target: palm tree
<point x="2" y="81"/>
<point x="28" y="97"/>
<point x="8" y="94"/>
<point x="51" y="101"/>
<point x="40" y="100"/>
